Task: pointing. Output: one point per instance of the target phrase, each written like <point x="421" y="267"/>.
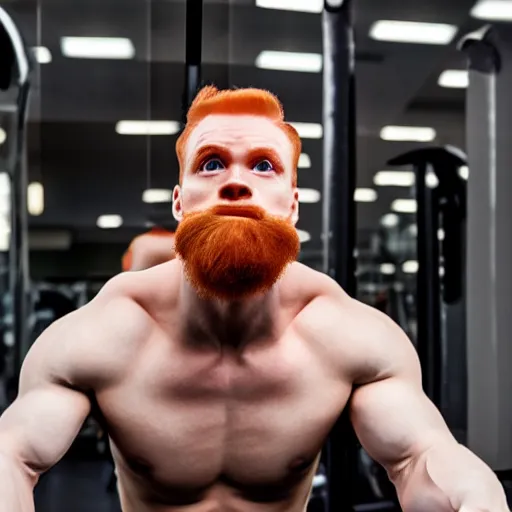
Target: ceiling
<point x="89" y="170"/>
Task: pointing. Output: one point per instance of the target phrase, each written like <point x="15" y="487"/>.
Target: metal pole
<point x="339" y="213"/>
<point x="193" y="52"/>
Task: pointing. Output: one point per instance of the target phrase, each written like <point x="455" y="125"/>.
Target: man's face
<point x="237" y="206"/>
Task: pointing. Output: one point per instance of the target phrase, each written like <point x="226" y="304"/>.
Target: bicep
<point x="41" y="424"/>
<point x="395" y="421"/>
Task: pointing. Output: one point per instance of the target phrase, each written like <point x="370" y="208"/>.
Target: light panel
<point x="157" y="195"/>
<point x="309" y="130"/>
<point x="404" y="205"/>
<point x="148" y="127"/>
<point x="394" y="179"/>
<point x="410" y="267"/>
<point x="3" y="136"/>
<point x="290" y="61"/>
<point x="454" y="79"/>
<point x="304" y="236"/>
<point x="315" y="6"/>
<point x="408" y="133"/>
<point x="304" y="161"/>
<point x="35" y="199"/>
<point x="109" y="221"/>
<point x="387" y="269"/>
<point x="365" y="195"/>
<point x="97" y="48"/>
<point x="493" y="10"/>
<point x="309" y="195"/>
<point x="464" y="172"/>
<point x="413" y="32"/>
<point x="390" y="220"/>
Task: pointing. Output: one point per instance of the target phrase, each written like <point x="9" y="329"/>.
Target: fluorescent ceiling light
<point x="365" y="195"/>
<point x="147" y="127"/>
<point x="387" y="269"/>
<point x="309" y="130"/>
<point x="408" y="133"/>
<point x="35" y="199"/>
<point x="440" y="234"/>
<point x="496" y="10"/>
<point x="5" y="184"/>
<point x="394" y="179"/>
<point x="390" y="220"/>
<point x="97" y="48"/>
<point x="464" y="172"/>
<point x="454" y="79"/>
<point x="157" y="195"/>
<point x="404" y="205"/>
<point x="42" y="54"/>
<point x="309" y="195"/>
<point x="109" y="221"/>
<point x="410" y="267"/>
<point x="304" y="161"/>
<point x="3" y="136"/>
<point x="412" y="32"/>
<point x="290" y="61"/>
<point x="292" y="5"/>
<point x="304" y="236"/>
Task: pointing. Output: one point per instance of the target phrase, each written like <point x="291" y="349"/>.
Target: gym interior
<point x="403" y="111"/>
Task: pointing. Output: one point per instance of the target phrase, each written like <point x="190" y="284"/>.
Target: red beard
<point x="233" y="258"/>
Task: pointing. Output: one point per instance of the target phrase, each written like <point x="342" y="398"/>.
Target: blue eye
<point x="264" y="166"/>
<point x="213" y="165"/>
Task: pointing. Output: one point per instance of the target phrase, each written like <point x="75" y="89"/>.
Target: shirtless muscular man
<point x="220" y="373"/>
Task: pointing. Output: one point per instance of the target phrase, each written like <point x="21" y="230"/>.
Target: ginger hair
<point x="210" y="101"/>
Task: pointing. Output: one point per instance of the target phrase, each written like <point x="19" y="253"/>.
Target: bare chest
<point x="191" y="419"/>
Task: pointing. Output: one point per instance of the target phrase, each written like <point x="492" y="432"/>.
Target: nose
<point x="235" y="192"/>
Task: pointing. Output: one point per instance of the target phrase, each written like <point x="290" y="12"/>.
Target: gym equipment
<point x="489" y="245"/>
<point x="440" y="308"/>
<point x="15" y="68"/>
<point x="339" y="214"/>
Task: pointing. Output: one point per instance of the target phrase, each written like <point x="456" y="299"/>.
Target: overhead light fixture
<point x="304" y="236"/>
<point x="97" y="48"/>
<point x="454" y="79"/>
<point x="404" y="205"/>
<point x="315" y="6"/>
<point x="387" y="269"/>
<point x="309" y="130"/>
<point x="410" y="267"/>
<point x="390" y="220"/>
<point x="413" y="32"/>
<point x="394" y="179"/>
<point x="464" y="172"/>
<point x="5" y="184"/>
<point x="35" y="199"/>
<point x="365" y="195"/>
<point x="440" y="234"/>
<point x="148" y="127"/>
<point x="109" y="221"/>
<point x="413" y="230"/>
<point x="290" y="61"/>
<point x="304" y="161"/>
<point x="407" y="134"/>
<point x="3" y="136"/>
<point x="157" y="195"/>
<point x="42" y="54"/>
<point x="492" y="10"/>
<point x="309" y="195"/>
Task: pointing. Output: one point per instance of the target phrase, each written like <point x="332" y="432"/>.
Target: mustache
<point x="246" y="211"/>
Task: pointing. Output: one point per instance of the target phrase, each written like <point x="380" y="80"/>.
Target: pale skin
<point x="202" y="422"/>
<point x="149" y="251"/>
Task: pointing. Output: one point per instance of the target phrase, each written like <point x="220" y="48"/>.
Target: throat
<point x="231" y="325"/>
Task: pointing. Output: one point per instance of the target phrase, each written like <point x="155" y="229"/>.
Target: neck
<point x="222" y="323"/>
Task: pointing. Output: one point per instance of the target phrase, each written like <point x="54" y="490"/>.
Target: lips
<point x="249" y="211"/>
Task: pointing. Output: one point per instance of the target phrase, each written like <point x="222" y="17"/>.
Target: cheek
<point x="192" y="195"/>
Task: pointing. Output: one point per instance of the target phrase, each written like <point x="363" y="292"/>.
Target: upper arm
<point x="71" y="356"/>
<point x="391" y="415"/>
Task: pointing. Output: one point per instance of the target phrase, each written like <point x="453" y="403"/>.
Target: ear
<point x="295" y="207"/>
<point x="177" y="204"/>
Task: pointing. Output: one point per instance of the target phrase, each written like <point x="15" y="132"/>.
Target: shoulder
<point x="367" y="344"/>
<point x="95" y="342"/>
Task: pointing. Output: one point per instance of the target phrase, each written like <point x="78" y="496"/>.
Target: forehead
<point x="239" y="133"/>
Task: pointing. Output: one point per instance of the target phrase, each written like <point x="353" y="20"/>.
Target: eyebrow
<point x="211" y="150"/>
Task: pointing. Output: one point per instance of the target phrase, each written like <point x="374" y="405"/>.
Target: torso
<point x="200" y="429"/>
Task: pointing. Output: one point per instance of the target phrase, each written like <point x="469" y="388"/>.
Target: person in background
<point x="149" y="249"/>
